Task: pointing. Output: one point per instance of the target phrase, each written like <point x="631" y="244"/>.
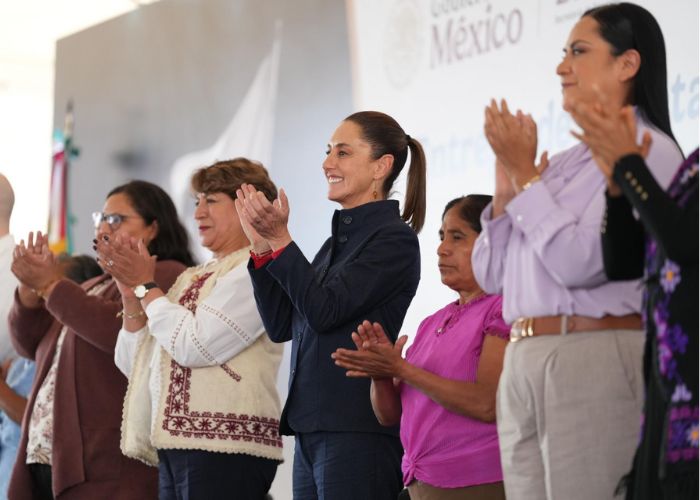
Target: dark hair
<point x="470" y="208"/>
<point x="228" y="175"/>
<point x="386" y="136"/>
<point x="79" y="268"/>
<point x="628" y="26"/>
<point x="154" y="205"/>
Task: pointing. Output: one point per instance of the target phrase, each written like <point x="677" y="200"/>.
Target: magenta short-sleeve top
<point x="441" y="448"/>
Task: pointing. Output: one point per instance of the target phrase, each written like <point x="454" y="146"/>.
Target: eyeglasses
<point x="112" y="220"/>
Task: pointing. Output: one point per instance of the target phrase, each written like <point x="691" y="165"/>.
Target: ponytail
<point x="386" y="136"/>
<point x="414" y="204"/>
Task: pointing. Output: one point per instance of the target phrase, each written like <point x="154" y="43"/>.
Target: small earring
<point x="374" y="193"/>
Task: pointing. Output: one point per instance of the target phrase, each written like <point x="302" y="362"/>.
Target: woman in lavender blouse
<point x="444" y="391"/>
<point x="571" y="391"/>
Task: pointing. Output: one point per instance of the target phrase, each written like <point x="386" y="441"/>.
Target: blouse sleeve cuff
<point x="531" y="207"/>
<point x="156" y="306"/>
<point x="259" y="260"/>
<point x="497" y="230"/>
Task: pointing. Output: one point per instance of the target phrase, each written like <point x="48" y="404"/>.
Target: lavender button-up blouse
<point x="545" y="255"/>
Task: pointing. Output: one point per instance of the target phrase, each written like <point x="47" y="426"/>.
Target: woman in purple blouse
<point x="571" y="391"/>
<point x="444" y="391"/>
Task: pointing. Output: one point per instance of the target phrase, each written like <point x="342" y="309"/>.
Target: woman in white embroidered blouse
<point x="202" y="399"/>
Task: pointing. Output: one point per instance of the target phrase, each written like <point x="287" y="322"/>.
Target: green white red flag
<point x="59" y="213"/>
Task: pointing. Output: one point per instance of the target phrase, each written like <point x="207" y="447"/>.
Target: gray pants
<point x="568" y="411"/>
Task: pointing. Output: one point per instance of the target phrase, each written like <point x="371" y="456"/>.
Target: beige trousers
<point x="568" y="412"/>
<point x="422" y="491"/>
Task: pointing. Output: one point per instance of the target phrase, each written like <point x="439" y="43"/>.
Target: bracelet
<point x="529" y="183"/>
<point x="131" y="316"/>
<point x="41" y="292"/>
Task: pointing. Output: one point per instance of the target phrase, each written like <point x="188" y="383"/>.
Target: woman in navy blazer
<point x="368" y="269"/>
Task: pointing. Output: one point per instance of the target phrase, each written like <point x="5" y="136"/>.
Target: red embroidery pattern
<point x="191" y="294"/>
<point x="180" y="421"/>
<point x="189" y="300"/>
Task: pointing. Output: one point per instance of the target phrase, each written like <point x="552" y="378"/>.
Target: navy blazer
<point x="368" y="269"/>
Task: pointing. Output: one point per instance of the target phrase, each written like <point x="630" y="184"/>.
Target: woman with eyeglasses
<point x="71" y="426"/>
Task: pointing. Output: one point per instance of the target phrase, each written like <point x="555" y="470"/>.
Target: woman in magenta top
<point x="444" y="391"/>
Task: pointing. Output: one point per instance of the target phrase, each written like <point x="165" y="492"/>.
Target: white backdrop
<point x="435" y="64"/>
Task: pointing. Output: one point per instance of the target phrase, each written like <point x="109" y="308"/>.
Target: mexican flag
<point x="59" y="213"/>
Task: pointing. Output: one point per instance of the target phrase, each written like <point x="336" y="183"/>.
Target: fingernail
<point x="95" y="241"/>
<point x="94" y="247"/>
<point x="105" y="237"/>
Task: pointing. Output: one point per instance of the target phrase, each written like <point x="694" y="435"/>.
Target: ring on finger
<point x="110" y="263"/>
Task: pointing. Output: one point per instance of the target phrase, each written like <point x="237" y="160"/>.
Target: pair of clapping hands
<point x="127" y="259"/>
<point x="35" y="265"/>
<point x="264" y="222"/>
<point x="609" y="132"/>
<point x="376" y="357"/>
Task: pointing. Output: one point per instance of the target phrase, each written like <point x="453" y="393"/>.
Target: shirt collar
<point x="353" y="220"/>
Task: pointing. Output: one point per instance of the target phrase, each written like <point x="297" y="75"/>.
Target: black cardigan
<point x="368" y="269"/>
<point x="666" y="463"/>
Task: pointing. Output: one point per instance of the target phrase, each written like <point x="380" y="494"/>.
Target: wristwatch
<point x="141" y="290"/>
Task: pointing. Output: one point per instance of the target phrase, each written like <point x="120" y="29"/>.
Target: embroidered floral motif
<point x="670" y="276"/>
<point x="689" y="174"/>
<point x="693" y="435"/>
<point x="191" y="294"/>
<point x="181" y="421"/>
<point x="671" y="340"/>
<point x="674" y="358"/>
<point x="189" y="300"/>
<point x="681" y="394"/>
<point x="682" y="434"/>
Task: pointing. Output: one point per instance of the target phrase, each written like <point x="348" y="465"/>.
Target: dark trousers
<point x="208" y="475"/>
<point x="347" y="466"/>
<point x="41" y="481"/>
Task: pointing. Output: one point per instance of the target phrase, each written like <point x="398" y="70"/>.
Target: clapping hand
<point x="259" y="244"/>
<point x="127" y="260"/>
<point x="376" y="356"/>
<point x="34" y="265"/>
<point x="268" y="220"/>
<point x="513" y="139"/>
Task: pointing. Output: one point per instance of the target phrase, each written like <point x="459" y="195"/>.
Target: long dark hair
<point x="154" y="204"/>
<point x="470" y="208"/>
<point x="386" y="137"/>
<point x="628" y="26"/>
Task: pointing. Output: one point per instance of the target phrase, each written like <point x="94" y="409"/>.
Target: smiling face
<point x="352" y="175"/>
<point x="588" y="64"/>
<point x="218" y="224"/>
<point x="455" y="253"/>
<point x="131" y="224"/>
